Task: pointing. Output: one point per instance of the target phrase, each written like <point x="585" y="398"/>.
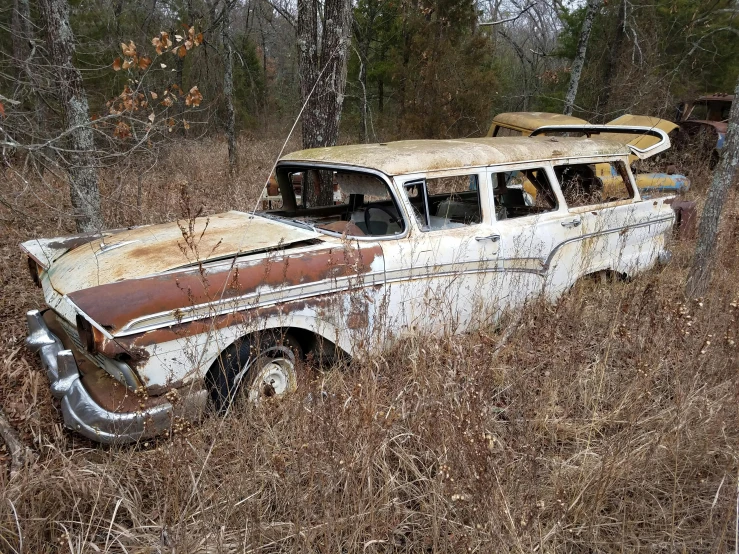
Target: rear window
<point x="506" y="132"/>
<point x="591" y="184"/>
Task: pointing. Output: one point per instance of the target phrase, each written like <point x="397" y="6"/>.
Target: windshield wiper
<point x="295" y="222"/>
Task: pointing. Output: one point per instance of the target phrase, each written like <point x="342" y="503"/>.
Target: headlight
<point x="87" y="334"/>
<point x="34" y="270"/>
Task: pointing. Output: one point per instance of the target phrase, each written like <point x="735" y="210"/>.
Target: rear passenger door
<point x="615" y="224"/>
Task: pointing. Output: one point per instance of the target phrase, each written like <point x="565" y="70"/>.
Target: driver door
<point x="439" y="278"/>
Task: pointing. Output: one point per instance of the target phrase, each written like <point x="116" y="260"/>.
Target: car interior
<point x="452" y="202"/>
<point x="512" y="200"/>
<point x="362" y="204"/>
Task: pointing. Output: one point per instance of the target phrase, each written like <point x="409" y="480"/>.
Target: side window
<point x="506" y="132"/>
<point x="522" y="193"/>
<point x="416" y="193"/>
<point x="589" y="184"/>
<point x="445" y="202"/>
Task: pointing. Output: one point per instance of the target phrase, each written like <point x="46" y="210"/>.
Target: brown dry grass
<point x="607" y="423"/>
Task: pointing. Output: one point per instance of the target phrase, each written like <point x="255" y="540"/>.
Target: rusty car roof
<point x="720" y="97"/>
<point x="413" y="156"/>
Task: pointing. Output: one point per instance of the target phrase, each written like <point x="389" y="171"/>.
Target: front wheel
<point x="256" y="367"/>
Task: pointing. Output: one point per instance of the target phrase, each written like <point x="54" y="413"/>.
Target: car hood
<point x="153" y="249"/>
<point x="720" y="126"/>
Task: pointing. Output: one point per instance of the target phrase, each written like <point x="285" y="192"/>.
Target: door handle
<point x="494" y="238"/>
<point x="573" y="223"/>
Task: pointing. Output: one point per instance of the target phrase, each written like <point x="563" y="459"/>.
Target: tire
<point x="713" y="162"/>
<point x="255" y="367"/>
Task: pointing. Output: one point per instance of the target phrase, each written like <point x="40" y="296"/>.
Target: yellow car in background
<point x="513" y="124"/>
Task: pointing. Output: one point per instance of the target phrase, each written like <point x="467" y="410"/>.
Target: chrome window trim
<point x="341" y="167"/>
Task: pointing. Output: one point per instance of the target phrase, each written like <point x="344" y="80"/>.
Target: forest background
<point x="422" y="68"/>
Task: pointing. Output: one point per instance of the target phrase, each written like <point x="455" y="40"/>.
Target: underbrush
<point x="606" y="422"/>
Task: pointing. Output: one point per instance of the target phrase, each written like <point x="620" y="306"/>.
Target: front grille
<point x="98" y="359"/>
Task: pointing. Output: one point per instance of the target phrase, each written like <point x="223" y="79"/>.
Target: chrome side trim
<point x="251" y="300"/>
<point x="606" y="232"/>
<point x="301" y="292"/>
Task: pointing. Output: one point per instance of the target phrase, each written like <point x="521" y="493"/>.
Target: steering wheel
<point x="385" y="209"/>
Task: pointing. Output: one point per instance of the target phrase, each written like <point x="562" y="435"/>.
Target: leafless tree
<point x="724" y="175"/>
<point x="582" y="47"/>
<point x="79" y="157"/>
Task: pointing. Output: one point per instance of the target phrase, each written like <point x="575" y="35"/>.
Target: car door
<point x="539" y="239"/>
<point x="620" y="232"/>
<point x="439" y="278"/>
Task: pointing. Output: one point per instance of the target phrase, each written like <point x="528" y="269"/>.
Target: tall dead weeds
<point x="605" y="422"/>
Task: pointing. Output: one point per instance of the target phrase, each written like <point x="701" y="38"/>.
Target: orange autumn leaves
<point x="131" y="101"/>
<point x="131" y="59"/>
<point x="162" y="44"/>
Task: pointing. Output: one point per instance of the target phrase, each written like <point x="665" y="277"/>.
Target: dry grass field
<point x="608" y="422"/>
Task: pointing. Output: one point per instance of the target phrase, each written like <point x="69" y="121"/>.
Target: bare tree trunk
<point x="322" y="114"/>
<point x="83" y="178"/>
<point x="582" y="47"/>
<point x="21" y="31"/>
<point x="228" y="87"/>
<point x="611" y="71"/>
<point x="723" y="176"/>
<point x="364" y="37"/>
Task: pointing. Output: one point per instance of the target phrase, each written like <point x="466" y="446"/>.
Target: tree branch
<point x="287" y="16"/>
<point x="508" y="19"/>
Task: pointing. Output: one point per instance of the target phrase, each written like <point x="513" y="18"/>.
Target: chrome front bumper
<point x="81" y="412"/>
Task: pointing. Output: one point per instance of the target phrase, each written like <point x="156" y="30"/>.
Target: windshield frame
<point x="389" y="183"/>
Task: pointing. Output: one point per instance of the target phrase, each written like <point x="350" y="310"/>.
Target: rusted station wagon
<point x="152" y="324"/>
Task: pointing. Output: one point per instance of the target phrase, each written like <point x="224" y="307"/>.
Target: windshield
<point x="346" y="203"/>
<point x="716" y="110"/>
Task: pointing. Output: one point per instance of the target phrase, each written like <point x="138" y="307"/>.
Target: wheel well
<point x="605" y="275"/>
<point x="316" y="347"/>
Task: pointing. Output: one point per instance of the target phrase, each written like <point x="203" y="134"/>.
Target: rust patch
<point x="74" y="241"/>
<point x="70" y="243"/>
<point x="113" y="305"/>
<point x="686" y="218"/>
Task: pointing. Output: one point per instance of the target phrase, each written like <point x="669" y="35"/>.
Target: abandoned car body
<point x="708" y="114"/>
<point x="511" y="124"/>
<point x="148" y="325"/>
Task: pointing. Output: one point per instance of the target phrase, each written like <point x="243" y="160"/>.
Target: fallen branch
<point x="20" y="454"/>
